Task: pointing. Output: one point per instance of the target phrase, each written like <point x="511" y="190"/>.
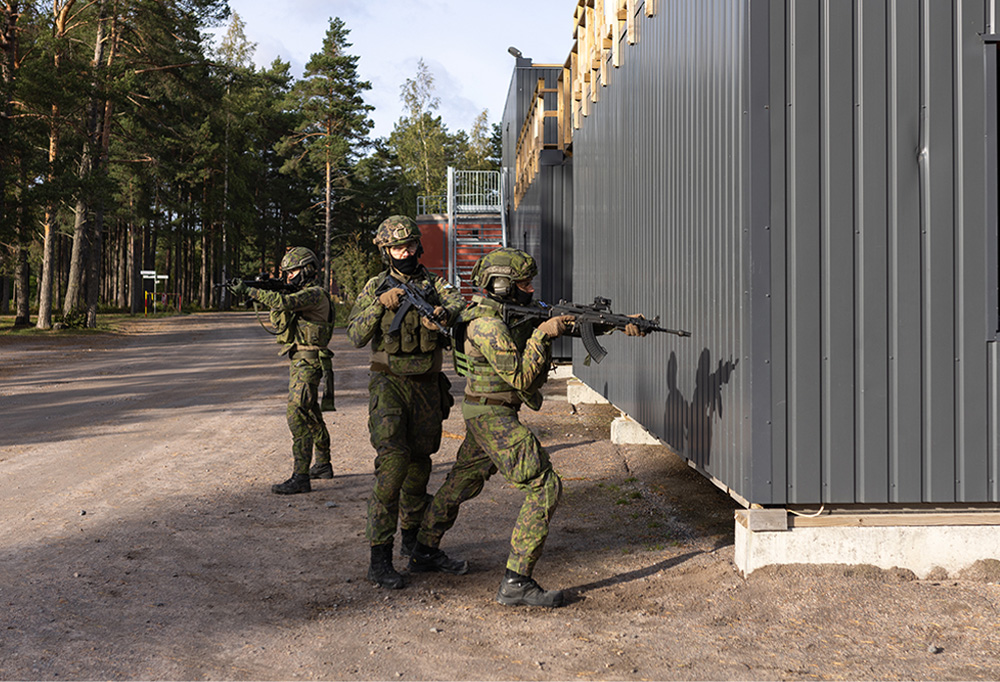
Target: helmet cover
<point x="396" y="230"/>
<point x="495" y="271"/>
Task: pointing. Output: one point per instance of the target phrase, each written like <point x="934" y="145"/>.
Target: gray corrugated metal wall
<point x="806" y="186"/>
<point x="542" y="223"/>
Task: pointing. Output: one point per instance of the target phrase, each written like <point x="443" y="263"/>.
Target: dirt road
<point x="139" y="540"/>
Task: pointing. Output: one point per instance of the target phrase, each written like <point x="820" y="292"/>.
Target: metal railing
<point x="470" y="193"/>
<point x="477" y="191"/>
<point x="432" y="204"/>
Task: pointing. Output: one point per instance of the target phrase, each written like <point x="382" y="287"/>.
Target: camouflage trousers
<point x="499" y="442"/>
<point x="305" y="420"/>
<point x="404" y="422"/>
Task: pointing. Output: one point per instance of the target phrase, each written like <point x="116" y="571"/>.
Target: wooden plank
<point x="905" y="519"/>
<point x="630" y="27"/>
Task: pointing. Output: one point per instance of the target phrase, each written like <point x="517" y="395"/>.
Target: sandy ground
<point x="139" y="540"/>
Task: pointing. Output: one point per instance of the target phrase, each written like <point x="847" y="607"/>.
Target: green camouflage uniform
<point x="407" y="391"/>
<point x="305" y="323"/>
<point x="508" y="368"/>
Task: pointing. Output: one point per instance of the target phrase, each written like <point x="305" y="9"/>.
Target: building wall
<point x="541" y="224"/>
<point x="809" y="188"/>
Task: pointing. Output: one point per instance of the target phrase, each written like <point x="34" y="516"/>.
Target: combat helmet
<point x="496" y="272"/>
<point x="298" y="257"/>
<point x="396" y="230"/>
<point x="302" y="259"/>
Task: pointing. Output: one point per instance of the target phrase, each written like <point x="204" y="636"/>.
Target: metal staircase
<point x="477" y="222"/>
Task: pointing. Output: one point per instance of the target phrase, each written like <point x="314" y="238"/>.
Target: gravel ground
<point x="139" y="540"/>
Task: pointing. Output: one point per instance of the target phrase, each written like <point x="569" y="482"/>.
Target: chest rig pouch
<point x="407" y="336"/>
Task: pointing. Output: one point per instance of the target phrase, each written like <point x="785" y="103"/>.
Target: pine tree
<point x="334" y="122"/>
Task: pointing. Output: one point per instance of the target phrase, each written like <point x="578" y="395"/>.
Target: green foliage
<point x="75" y="319"/>
<point x="354" y="263"/>
<point x="210" y="165"/>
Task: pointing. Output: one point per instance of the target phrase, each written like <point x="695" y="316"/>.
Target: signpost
<point x="151" y="274"/>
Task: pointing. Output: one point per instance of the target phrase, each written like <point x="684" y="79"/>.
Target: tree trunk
<point x="78" y="254"/>
<point x="86" y="252"/>
<point x="121" y="252"/>
<point x="8" y="42"/>
<point x="326" y="240"/>
<point x="22" y="280"/>
<point x="60" y="15"/>
<point x="135" y="284"/>
<point x="94" y="273"/>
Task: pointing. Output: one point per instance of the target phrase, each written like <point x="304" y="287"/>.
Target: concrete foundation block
<point x="561" y="372"/>
<point x="579" y="393"/>
<point x="627" y="431"/>
<point x="917" y="548"/>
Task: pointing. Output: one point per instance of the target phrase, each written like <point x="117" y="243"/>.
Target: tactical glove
<point x="439" y="315"/>
<point x="239" y="288"/>
<point x="390" y="299"/>
<point x="555" y="327"/>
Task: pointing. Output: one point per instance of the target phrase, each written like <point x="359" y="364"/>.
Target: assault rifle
<point x="414" y="298"/>
<point x="590" y="317"/>
<point x="261" y="282"/>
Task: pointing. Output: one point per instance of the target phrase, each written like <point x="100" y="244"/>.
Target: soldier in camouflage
<point x="505" y="368"/>
<point x="304" y="320"/>
<point x="408" y="395"/>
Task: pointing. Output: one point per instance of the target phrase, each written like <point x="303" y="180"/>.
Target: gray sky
<point x="463" y="42"/>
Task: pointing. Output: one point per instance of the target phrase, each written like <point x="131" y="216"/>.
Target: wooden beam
<point x="631" y="30"/>
<point x="901" y="519"/>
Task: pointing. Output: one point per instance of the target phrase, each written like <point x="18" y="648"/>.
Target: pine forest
<point x="133" y="140"/>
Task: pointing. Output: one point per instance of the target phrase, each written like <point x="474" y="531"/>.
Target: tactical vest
<point x="415" y="349"/>
<point x="482" y="380"/>
<point x="304" y="334"/>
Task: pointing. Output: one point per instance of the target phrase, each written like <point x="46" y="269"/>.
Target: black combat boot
<point x="520" y="590"/>
<point x="324" y="470"/>
<point x="381" y="571"/>
<point x="431" y="559"/>
<point x="408" y="540"/>
<point x="298" y="483"/>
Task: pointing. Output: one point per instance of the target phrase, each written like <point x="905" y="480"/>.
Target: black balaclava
<point x="304" y="275"/>
<point x="520" y="296"/>
<point x="406" y="266"/>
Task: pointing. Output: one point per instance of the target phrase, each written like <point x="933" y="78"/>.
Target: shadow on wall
<point x="689" y="423"/>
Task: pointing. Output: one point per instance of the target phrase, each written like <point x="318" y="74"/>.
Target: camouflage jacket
<point x="414" y="349"/>
<point x="304" y="319"/>
<point x="509" y="364"/>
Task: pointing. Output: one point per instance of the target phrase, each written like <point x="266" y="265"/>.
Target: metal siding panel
<point x="650" y="179"/>
<point x="779" y="455"/>
<point x="838" y="279"/>
<point x="993" y="458"/>
<point x="973" y="229"/>
<point x="871" y="450"/>
<point x="905" y="343"/>
<point x="757" y="472"/>
<point x="880" y="388"/>
<point x="992" y="174"/>
<point x="804" y="218"/>
<point x="938" y="257"/>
